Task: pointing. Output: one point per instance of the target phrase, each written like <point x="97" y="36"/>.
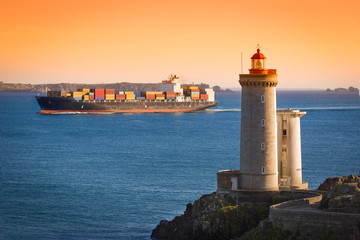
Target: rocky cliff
<point x="213" y="216"/>
<point x="218" y="216"/>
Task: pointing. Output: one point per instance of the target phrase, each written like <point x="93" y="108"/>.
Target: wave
<point x="324" y="108"/>
<point x="295" y="108"/>
<point x="223" y="110"/>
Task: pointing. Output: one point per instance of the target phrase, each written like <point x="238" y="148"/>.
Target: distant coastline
<point x="344" y="90"/>
<point x="124" y="86"/>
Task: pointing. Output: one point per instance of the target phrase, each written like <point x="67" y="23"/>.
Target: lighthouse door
<point x="234" y="183"/>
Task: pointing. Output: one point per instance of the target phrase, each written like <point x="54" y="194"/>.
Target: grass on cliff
<point x="241" y="218"/>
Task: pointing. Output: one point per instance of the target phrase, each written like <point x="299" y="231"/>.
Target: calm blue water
<point x="117" y="176"/>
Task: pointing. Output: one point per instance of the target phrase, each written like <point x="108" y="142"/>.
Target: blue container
<point x="78" y="98"/>
<point x="140" y="98"/>
<point x="99" y="98"/>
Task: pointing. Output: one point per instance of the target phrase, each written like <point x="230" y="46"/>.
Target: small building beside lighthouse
<point x="270" y="151"/>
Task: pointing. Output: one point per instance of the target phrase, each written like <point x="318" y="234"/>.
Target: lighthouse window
<point x="263" y="122"/>
<point x="284" y="132"/>
<point x="262" y="146"/>
<point x="262" y="98"/>
<point x="262" y="169"/>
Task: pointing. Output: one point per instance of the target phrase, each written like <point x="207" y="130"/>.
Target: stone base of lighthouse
<point x="228" y="180"/>
<point x="235" y="180"/>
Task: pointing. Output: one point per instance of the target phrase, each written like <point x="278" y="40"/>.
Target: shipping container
<point x="91" y="97"/>
<point x="99" y="98"/>
<point x="170" y="94"/>
<point x="78" y="98"/>
<point x="86" y="97"/>
<point x="130" y="97"/>
<point x="129" y="92"/>
<point x="194" y="90"/>
<point x="109" y="91"/>
<point x="120" y="96"/>
<point x="77" y="94"/>
<point x="91" y="93"/>
<point x="195" y="97"/>
<point x="85" y="91"/>
<point x="150" y="97"/>
<point x="99" y="93"/>
<point x="69" y="94"/>
<point x="140" y="98"/>
<point x="204" y="97"/>
<point x="109" y="96"/>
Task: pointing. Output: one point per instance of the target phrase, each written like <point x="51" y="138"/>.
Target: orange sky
<point x="313" y="44"/>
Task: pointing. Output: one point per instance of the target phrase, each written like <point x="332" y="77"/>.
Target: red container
<point x="150" y="96"/>
<point x="196" y="97"/>
<point x="99" y="93"/>
<point x="160" y="95"/>
<point x="170" y="95"/>
<point x="195" y="90"/>
<point x="109" y="91"/>
<point x="91" y="97"/>
<point x="120" y="96"/>
<point x="204" y="97"/>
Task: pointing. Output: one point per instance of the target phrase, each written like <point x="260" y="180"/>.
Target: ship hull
<point x="68" y="105"/>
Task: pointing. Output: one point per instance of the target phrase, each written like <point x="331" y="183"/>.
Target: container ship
<point x="171" y="97"/>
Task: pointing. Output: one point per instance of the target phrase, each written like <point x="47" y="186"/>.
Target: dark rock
<point x="343" y="194"/>
<point x="212" y="216"/>
<point x="330" y="183"/>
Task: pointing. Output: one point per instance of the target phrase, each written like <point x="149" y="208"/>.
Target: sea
<point x="118" y="176"/>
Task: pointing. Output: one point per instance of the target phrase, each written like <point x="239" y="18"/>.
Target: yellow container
<point x="77" y="94"/>
<point x="86" y="97"/>
<point x="109" y="96"/>
<point x="130" y="97"/>
<point x="85" y="91"/>
<point x="160" y="98"/>
<point x="129" y="93"/>
<point x="68" y="94"/>
<point x="194" y="87"/>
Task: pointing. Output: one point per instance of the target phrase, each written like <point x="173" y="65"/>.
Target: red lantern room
<point x="258" y="64"/>
<point x="258" y="60"/>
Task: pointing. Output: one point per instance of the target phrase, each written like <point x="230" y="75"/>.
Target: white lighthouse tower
<point x="258" y="140"/>
<point x="270" y="146"/>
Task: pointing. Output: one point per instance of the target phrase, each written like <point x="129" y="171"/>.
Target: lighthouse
<point x="258" y="139"/>
<point x="270" y="146"/>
